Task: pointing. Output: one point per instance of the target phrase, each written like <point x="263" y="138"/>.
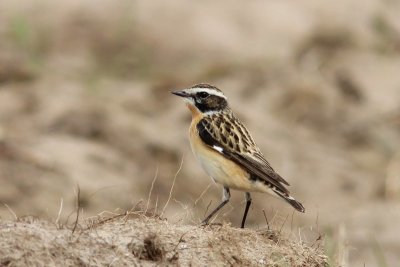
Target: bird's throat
<point x="196" y="114"/>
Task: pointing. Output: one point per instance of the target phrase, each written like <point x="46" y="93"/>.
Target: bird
<point x="227" y="152"/>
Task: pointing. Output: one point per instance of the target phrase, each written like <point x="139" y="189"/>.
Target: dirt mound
<point x="131" y="240"/>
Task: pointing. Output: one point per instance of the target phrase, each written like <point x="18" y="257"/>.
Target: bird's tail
<point x="295" y="204"/>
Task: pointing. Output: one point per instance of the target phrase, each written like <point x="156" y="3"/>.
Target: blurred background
<point x="84" y="100"/>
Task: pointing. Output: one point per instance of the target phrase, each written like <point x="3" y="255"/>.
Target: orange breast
<point x="221" y="169"/>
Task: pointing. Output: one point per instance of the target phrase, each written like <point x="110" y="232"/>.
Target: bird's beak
<point x="180" y="93"/>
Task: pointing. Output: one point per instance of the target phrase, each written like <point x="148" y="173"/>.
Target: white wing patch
<point x="219" y="149"/>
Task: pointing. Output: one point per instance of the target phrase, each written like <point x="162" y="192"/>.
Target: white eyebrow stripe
<point x="207" y="90"/>
<point x="219" y="149"/>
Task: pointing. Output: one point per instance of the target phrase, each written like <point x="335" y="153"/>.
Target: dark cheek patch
<point x="211" y="103"/>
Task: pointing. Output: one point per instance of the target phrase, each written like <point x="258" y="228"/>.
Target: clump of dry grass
<point x="132" y="238"/>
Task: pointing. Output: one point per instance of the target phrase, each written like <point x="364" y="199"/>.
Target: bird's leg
<point x="225" y="199"/>
<point x="248" y="203"/>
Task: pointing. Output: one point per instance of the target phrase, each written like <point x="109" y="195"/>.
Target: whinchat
<point x="226" y="150"/>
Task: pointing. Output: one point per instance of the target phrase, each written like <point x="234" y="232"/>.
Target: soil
<point x="121" y="240"/>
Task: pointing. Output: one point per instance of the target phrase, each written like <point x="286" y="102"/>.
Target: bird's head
<point x="204" y="97"/>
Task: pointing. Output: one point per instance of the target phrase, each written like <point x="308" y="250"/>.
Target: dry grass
<point x="131" y="239"/>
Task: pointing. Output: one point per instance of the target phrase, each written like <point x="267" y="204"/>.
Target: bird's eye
<point x="202" y="94"/>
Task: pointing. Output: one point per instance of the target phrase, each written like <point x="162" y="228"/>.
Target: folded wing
<point x="226" y="142"/>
